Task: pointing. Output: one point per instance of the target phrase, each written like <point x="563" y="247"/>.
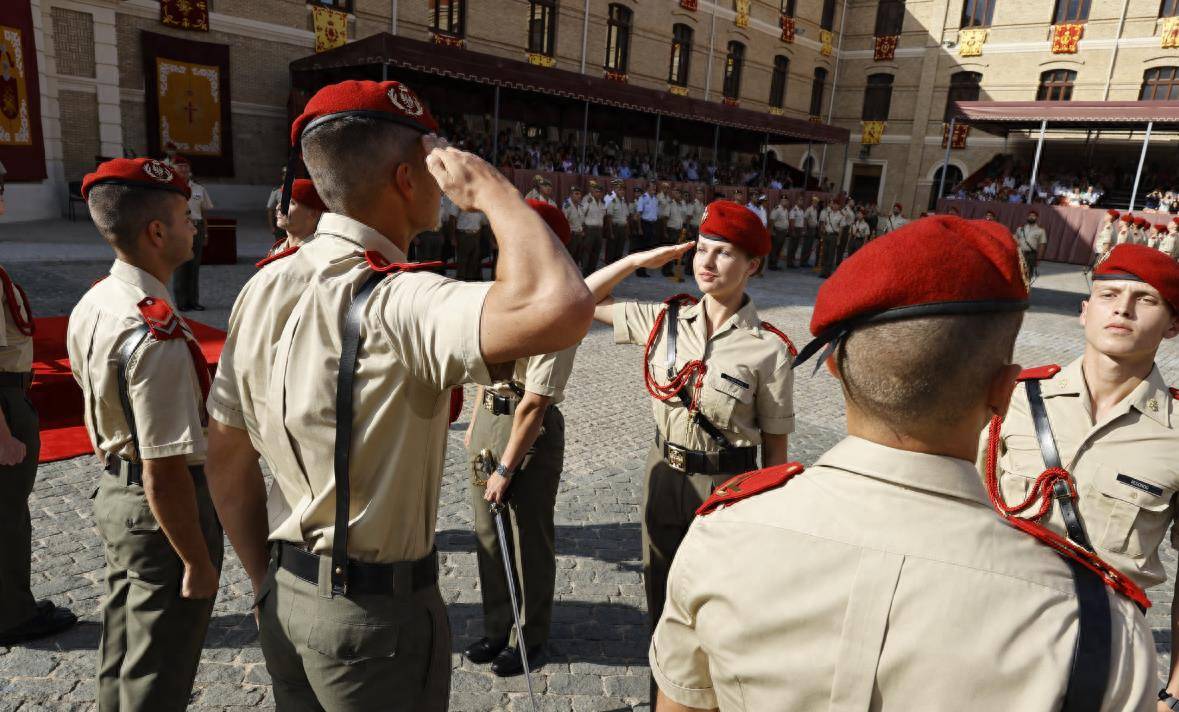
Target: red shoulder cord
<point x="781" y="335"/>
<point x="1043" y="488"/>
<point x="692" y="372"/>
<point x="11" y="290"/>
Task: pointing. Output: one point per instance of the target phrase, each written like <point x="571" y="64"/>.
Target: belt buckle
<point x="677" y="457"/>
<point x="489" y="401"/>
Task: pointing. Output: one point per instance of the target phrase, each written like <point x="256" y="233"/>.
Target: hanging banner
<point x="961" y="131"/>
<point x="22" y="146"/>
<point x="1066" y="37"/>
<point x="187" y="101"/>
<point x="185" y="14"/>
<point x="873" y="130"/>
<point x="689" y="4"/>
<point x="742" y="9"/>
<point x="1170" y="34"/>
<point x="971" y="41"/>
<point x="886" y="47"/>
<point x="787" y="24"/>
<point x="825" y="38"/>
<point x="331" y="28"/>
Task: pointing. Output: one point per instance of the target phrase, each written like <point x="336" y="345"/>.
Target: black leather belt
<point x="496" y="404"/>
<point x="9" y="379"/>
<point x="363" y="577"/>
<point x="733" y="461"/>
<point x="131" y="473"/>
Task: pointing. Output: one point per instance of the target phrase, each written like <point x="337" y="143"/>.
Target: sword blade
<point x="521" y="646"/>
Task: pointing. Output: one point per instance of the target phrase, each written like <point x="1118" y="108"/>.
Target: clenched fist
<point x="468" y="180"/>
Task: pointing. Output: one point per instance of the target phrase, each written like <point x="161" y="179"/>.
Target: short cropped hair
<point x="349" y="158"/>
<point x="925" y="370"/>
<point x="121" y="213"/>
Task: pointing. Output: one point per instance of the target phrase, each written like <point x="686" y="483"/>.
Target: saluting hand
<point x="469" y="181"/>
<point x="12" y="451"/>
<point x="661" y="255"/>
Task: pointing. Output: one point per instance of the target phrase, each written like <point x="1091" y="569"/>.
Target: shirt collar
<point x="1152" y="397"/>
<point x="140" y="279"/>
<point x="745" y="318"/>
<point x="938" y="474"/>
<point x="358" y="234"/>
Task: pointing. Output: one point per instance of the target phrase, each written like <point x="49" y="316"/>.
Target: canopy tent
<point x="1003" y="117"/>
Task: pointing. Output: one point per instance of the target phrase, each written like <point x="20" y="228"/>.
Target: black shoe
<point x="198" y="307"/>
<point x="48" y="620"/>
<point x="484" y="651"/>
<point x="508" y="663"/>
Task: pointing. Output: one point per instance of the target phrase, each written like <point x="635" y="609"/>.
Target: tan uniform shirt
<point x="1169" y="243"/>
<point x="1124" y="237"/>
<point x="162" y="383"/>
<point x="890" y="223"/>
<point x="1030" y="238"/>
<point x="695" y="213"/>
<point x="594" y="211"/>
<point x="879" y="579"/>
<point x="16" y="349"/>
<point x="797" y="217"/>
<point x="575" y="214"/>
<point x="470" y="221"/>
<point x="1126" y="468"/>
<point x="812" y="217"/>
<point x="677" y="211"/>
<point x="1104" y="239"/>
<point x="780" y="218"/>
<point x="618" y="210"/>
<point x="277" y="380"/>
<point x="544" y="375"/>
<point x="832" y="220"/>
<point x="749" y="387"/>
<point x="664" y="203"/>
<point x="861" y="229"/>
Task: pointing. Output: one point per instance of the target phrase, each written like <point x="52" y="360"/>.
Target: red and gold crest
<point x="689" y="4"/>
<point x="787" y="24"/>
<point x="185" y="14"/>
<point x="15" y="125"/>
<point x="331" y="28"/>
<point x="1066" y="37"/>
<point x="961" y="131"/>
<point x="886" y="47"/>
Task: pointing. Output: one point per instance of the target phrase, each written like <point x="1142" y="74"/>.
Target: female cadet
<point x="719" y="378"/>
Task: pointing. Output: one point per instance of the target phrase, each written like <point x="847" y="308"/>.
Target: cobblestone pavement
<point x="599" y="635"/>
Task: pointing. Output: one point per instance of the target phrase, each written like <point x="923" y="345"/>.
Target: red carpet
<point x="57" y="397"/>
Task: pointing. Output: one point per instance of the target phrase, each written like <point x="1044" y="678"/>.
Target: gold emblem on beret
<point x="156" y="170"/>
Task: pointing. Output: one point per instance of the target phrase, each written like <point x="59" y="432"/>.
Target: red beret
<point x="391" y="101"/>
<point x="1175" y="219"/>
<point x="304" y="193"/>
<point x="1033" y="212"/>
<point x="1127" y="218"/>
<point x="1160" y="227"/>
<point x="556" y="219"/>
<point x="1143" y="264"/>
<point x="726" y="220"/>
<point x="898" y="206"/>
<point x="1112" y="213"/>
<point x="938" y="265"/>
<point x="1141" y="222"/>
<point x="137" y="173"/>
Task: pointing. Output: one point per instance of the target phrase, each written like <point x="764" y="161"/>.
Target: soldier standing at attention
<point x="664" y="200"/>
<point x="186" y="282"/>
<point x="860" y="232"/>
<point x="677" y="214"/>
<point x="430" y="242"/>
<point x="468" y="241"/>
<point x="811" y="215"/>
<point x="797" y="230"/>
<point x="517" y="439"/>
<point x="618" y="228"/>
<point x="22" y="618"/>
<point x="695" y="214"/>
<point x="719" y="377"/>
<point x="1169" y="245"/>
<point x="779" y="231"/>
<point x="575" y="213"/>
<point x="847" y="220"/>
<point x="895" y="221"/>
<point x="1113" y="433"/>
<point x="831" y="221"/>
<point x="1125" y="230"/>
<point x="892" y="529"/>
<point x="1032" y="241"/>
<point x="537" y="192"/>
<point x="363" y="354"/>
<point x="647" y="209"/>
<point x="144" y="381"/>
<point x="1104" y="241"/>
<point x="595" y="217"/>
<point x="301" y="218"/>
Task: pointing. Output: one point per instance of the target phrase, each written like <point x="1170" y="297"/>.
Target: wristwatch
<point x="1168" y="699"/>
<point x="503" y="471"/>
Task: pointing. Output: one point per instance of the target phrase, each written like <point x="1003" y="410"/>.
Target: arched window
<point x="953" y="178"/>
<point x="449" y="17"/>
<point x="964" y="86"/>
<point x="778" y="81"/>
<point x="734" y="62"/>
<point x="890" y="16"/>
<point x="1160" y="84"/>
<point x="1056" y="85"/>
<point x="828" y="18"/>
<point x="877" y="98"/>
<point x="542" y="27"/>
<point x="1168" y="8"/>
<point x="681" y="55"/>
<point x="977" y="13"/>
<point x="1070" y="11"/>
<point x="618" y="38"/>
<point x="818" y="86"/>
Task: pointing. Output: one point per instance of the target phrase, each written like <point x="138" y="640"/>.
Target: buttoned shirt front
<point x="1030" y="238"/>
<point x="879" y="579"/>
<point x="16" y="348"/>
<point x="797" y="217"/>
<point x="860" y="229"/>
<point x="780" y="218"/>
<point x="812" y="217"/>
<point x="676" y="213"/>
<point x="575" y="214"/>
<point x="594" y="211"/>
<point x="832" y="220"/>
<point x="647" y="207"/>
<point x="617" y="209"/>
<point x="892" y="222"/>
<point x="695" y="213"/>
<point x="748" y="388"/>
<point x="1126" y="467"/>
<point x="277" y="380"/>
<point x="1104" y="238"/>
<point x="162" y="383"/>
<point x="664" y="204"/>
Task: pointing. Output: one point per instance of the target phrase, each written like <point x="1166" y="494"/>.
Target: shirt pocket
<point x="724" y="396"/>
<point x="1128" y="513"/>
<point x="1019" y="467"/>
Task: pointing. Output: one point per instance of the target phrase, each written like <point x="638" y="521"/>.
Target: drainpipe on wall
<point x="711" y="45"/>
<point x="393" y="18"/>
<point x="1114" y="54"/>
<point x="584" y="35"/>
<point x="834" y="86"/>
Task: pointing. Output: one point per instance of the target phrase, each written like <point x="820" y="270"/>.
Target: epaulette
<point x="161" y="321"/>
<point x="746" y="485"/>
<point x="1039" y="373"/>
<point x="781" y="335"/>
<point x="682" y="298"/>
<point x="1174" y="393"/>
<point x="378" y="263"/>
<point x="276" y="256"/>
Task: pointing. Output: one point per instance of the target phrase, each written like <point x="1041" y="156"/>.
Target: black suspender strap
<point x="349" y="350"/>
<point x="1061" y="491"/>
<point x="1089" y="675"/>
<point x="130" y="345"/>
<point x="673" y="310"/>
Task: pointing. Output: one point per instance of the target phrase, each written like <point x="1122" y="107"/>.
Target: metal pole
<point x="584" y="35"/>
<point x="655" y="160"/>
<point x="584" y="131"/>
<point x="1036" y="162"/>
<point x="711" y="45"/>
<point x="941" y="186"/>
<point x="393" y="18"/>
<point x="845" y="180"/>
<point x="1141" y="160"/>
<point x="765" y="154"/>
<point x="716" y="145"/>
<point x="806" y="178"/>
<point x="495" y="130"/>
<point x="384" y="72"/>
<point x="822" y="166"/>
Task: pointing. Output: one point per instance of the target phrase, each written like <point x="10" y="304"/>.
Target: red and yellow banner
<point x="1066" y="37"/>
<point x="825" y="39"/>
<point x="689" y="4"/>
<point x="15" y="126"/>
<point x="331" y="28"/>
<point x="22" y="145"/>
<point x="873" y="131"/>
<point x="886" y="47"/>
<point x="786" y="22"/>
<point x="971" y="41"/>
<point x="185" y="14"/>
<point x="961" y="131"/>
<point x="1170" y="34"/>
<point x="742" y="9"/>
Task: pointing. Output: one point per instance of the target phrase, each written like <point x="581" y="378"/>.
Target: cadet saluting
<point x="338" y="368"/>
<point x="719" y="378"/>
<point x="882" y="579"/>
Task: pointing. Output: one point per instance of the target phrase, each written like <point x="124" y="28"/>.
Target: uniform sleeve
<point x="1133" y="674"/>
<point x="633" y="321"/>
<point x="548" y="374"/>
<point x="433" y="323"/>
<point x="775" y="401"/>
<point x="225" y="400"/>
<point x="165" y="400"/>
<point x="678" y="661"/>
